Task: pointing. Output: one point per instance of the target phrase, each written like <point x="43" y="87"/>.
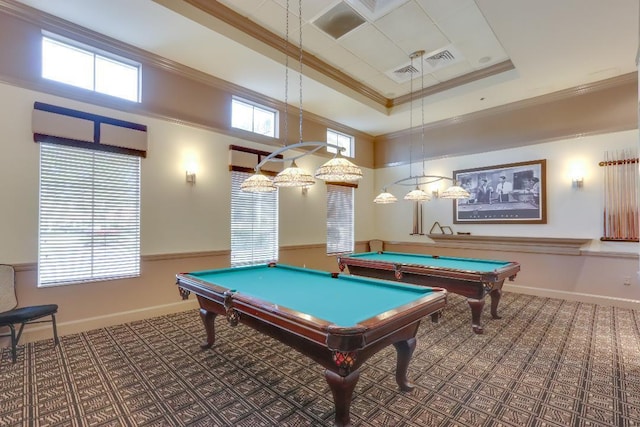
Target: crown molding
<point x="224" y="14"/>
<point x="252" y="29"/>
<point x="501" y="67"/>
<point x="67" y="29"/>
<point x="596" y="108"/>
<point x="239" y="22"/>
<point x="549" y="98"/>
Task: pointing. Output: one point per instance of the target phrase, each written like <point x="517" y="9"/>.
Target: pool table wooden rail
<point x="474" y="285"/>
<point x="222" y="301"/>
<point x="340" y="350"/>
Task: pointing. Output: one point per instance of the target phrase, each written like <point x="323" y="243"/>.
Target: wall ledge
<point x="545" y="245"/>
<point x="610" y="254"/>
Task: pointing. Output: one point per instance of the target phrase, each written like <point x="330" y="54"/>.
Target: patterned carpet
<point x="546" y="363"/>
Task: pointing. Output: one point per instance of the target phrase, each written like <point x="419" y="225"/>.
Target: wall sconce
<point x="190" y="175"/>
<point x="577" y="182"/>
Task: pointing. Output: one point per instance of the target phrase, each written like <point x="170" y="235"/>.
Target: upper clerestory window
<point x="253" y="117"/>
<point x="342" y="140"/>
<point x="73" y="63"/>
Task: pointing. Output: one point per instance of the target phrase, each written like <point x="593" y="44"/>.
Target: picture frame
<point x="518" y="198"/>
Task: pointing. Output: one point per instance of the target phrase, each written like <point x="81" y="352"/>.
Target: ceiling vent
<point x="433" y="61"/>
<point x="373" y="10"/>
<point x="409" y="69"/>
<point x="441" y="58"/>
<point x="339" y="20"/>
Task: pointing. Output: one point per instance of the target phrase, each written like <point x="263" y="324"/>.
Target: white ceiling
<point x="553" y="45"/>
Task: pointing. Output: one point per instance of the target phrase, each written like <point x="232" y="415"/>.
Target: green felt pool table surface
<point x="470" y="277"/>
<point x="337" y="320"/>
<point x="468" y="264"/>
<point x="344" y="301"/>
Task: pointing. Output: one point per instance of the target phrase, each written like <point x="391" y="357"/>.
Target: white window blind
<point x="254" y="224"/>
<point x="339" y="219"/>
<point x="89" y="225"/>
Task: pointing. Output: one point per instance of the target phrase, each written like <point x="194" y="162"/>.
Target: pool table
<point x="338" y="321"/>
<point x="469" y="277"/>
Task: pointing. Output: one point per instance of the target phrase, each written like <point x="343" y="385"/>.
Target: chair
<point x="11" y="316"/>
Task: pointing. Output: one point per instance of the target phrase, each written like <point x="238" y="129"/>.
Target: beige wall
<point x="571" y="212"/>
<point x="587" y="276"/>
<point x="605" y="106"/>
<point x="597" y="273"/>
<point x="178" y="220"/>
<point x="186" y="228"/>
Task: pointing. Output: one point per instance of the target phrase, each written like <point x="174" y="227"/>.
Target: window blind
<point x="339" y="219"/>
<point x="254" y="224"/>
<point x="89" y="225"/>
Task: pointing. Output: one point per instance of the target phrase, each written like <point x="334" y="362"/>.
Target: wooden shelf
<point x="545" y="245"/>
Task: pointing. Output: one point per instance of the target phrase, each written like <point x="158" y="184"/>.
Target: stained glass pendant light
<point x="258" y="183"/>
<point x="339" y="169"/>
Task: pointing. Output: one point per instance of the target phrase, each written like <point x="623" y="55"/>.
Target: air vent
<point x="373" y="10"/>
<point x="442" y="58"/>
<point x="409" y="69"/>
<point x="433" y="61"/>
<point x="339" y="20"/>
<point x="404" y="73"/>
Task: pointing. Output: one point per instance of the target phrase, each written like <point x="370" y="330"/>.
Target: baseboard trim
<point x="43" y="331"/>
<point x="573" y="296"/>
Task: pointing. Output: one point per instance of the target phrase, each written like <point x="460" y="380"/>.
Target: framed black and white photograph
<point x="513" y="193"/>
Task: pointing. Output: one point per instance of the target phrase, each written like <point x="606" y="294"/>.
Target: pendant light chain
<point x="336" y="169"/>
<point x="300" y="60"/>
<point x="422" y="109"/>
<point x="418" y="195"/>
<point x="411" y="117"/>
<point x="286" y="77"/>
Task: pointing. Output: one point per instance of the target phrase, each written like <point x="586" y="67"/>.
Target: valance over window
<point x="60" y="125"/>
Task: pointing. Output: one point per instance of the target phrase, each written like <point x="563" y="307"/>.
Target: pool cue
<point x="608" y="188"/>
<point x="606" y="197"/>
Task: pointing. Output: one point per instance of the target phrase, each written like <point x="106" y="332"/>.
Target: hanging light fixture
<point x="385" y="198"/>
<point x="258" y="183"/>
<point x="293" y="176"/>
<point x="338" y="169"/>
<point x="455" y="192"/>
<point x="417" y="194"/>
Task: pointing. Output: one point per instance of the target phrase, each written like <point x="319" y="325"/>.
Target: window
<point x="72" y="63"/>
<point x="253" y="118"/>
<point x="254" y="224"/>
<point x="339" y="219"/>
<point x="89" y="225"/>
<point x="340" y="139"/>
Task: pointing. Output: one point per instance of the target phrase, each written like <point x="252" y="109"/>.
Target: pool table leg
<point x="342" y="390"/>
<point x="476" y="306"/>
<point x="208" y="319"/>
<point x="404" y="349"/>
<point x="495" y="300"/>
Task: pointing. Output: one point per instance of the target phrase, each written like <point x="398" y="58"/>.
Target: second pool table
<point x="339" y="321"/>
<point x="469" y="277"/>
